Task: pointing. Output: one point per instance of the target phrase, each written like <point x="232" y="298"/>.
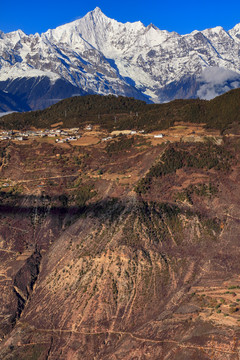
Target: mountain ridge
<point x="100" y="55"/>
<point x="120" y="113"/>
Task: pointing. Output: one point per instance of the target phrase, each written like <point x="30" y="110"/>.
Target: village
<point x="91" y="135"/>
<point x="60" y="134"/>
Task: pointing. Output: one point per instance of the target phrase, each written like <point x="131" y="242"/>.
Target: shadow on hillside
<point x="57" y="206"/>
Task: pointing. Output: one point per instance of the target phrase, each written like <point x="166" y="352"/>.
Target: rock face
<point x="96" y="54"/>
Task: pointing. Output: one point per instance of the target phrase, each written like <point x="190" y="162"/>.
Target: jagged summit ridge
<point x="96" y="54"/>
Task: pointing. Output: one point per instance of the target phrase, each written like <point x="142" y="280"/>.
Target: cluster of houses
<point x="107" y="138"/>
<point x="67" y="139"/>
<point x="61" y="135"/>
<point x="158" y="136"/>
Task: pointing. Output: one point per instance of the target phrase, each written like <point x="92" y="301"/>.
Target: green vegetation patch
<point x="124" y="142"/>
<point x="83" y="193"/>
<point x="176" y="156"/>
<point x="204" y="190"/>
<point x="152" y="221"/>
<point x="119" y="113"/>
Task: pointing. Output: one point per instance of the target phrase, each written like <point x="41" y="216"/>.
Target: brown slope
<point x="140" y="276"/>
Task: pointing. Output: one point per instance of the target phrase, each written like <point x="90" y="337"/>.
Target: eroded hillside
<point x="120" y="250"/>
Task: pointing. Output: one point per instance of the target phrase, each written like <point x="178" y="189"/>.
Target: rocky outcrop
<point x="24" y="281"/>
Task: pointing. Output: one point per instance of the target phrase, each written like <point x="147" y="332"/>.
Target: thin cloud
<point x="215" y="81"/>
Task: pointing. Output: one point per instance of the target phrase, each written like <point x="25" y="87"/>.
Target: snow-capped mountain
<point x="96" y="54"/>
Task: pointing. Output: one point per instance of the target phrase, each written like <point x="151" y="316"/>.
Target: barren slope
<point x="128" y="251"/>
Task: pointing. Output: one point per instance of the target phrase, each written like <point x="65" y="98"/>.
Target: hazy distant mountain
<point x="96" y="54"/>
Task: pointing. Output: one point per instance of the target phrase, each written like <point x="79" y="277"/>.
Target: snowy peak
<point x="235" y="32"/>
<point x="236" y="28"/>
<point x="14" y="36"/>
<point x="95" y="18"/>
<point x="82" y="32"/>
<point x="98" y="17"/>
<point x="105" y="33"/>
<point x="96" y="14"/>
<point x="97" y="10"/>
<point x="97" y="54"/>
<point x="216" y="32"/>
<point x="112" y="37"/>
<point x="150" y="26"/>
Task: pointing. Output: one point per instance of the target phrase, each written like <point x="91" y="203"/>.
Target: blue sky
<point x="180" y="16"/>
